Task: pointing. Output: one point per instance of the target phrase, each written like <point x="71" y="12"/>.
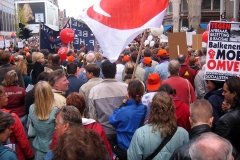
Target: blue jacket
<point x="148" y="70"/>
<point x="126" y="120"/>
<point x="162" y="70"/>
<point x="7" y="154"/>
<point x="74" y="84"/>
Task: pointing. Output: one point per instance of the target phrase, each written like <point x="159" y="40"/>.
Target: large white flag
<point x="115" y="23"/>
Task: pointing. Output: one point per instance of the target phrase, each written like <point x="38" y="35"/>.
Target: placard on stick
<point x="177" y="44"/>
<point x="197" y="41"/>
<point x="200" y="31"/>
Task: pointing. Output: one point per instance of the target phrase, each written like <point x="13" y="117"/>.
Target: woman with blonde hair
<point x="162" y="123"/>
<point x="38" y="60"/>
<point x="16" y="95"/>
<point x="41" y="116"/>
<point x="23" y="69"/>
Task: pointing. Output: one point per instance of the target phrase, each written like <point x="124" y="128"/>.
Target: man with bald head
<point x="184" y="88"/>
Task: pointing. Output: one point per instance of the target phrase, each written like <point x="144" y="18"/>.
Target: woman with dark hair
<point x="18" y="135"/>
<point x="181" y="109"/>
<point x="162" y="122"/>
<point x="129" y="116"/>
<point x="78" y="144"/>
<point x="215" y="98"/>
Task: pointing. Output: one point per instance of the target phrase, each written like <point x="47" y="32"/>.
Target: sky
<point x="75" y="7"/>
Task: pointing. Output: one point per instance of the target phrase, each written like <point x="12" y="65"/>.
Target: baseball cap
<point x="70" y="58"/>
<point x="147" y="60"/>
<point x="163" y="52"/>
<point x="153" y="82"/>
<point x="126" y="59"/>
<point x="26" y="49"/>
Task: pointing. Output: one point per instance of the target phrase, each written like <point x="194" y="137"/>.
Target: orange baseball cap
<point x="153" y="82"/>
<point x="163" y="52"/>
<point x="70" y="58"/>
<point x="147" y="60"/>
<point x="126" y="59"/>
<point x="26" y="49"/>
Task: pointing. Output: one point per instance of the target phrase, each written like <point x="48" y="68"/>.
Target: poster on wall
<point x="223" y="53"/>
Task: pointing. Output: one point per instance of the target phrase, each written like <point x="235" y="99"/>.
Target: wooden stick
<point x="178" y="49"/>
<point x="139" y="54"/>
<point x="39" y="35"/>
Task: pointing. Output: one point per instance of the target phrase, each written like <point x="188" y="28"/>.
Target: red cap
<point x="147" y="60"/>
<point x="126" y="59"/>
<point x="153" y="82"/>
<point x="26" y="49"/>
<point x="163" y="52"/>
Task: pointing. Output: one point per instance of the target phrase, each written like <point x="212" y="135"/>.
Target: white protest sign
<point x="223" y="53"/>
<point x="7" y="43"/>
<point x="20" y="44"/>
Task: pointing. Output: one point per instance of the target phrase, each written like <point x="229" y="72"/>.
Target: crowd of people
<point x="85" y="107"/>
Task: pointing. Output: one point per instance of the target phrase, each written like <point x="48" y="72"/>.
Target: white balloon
<point x="146" y="42"/>
<point x="152" y="43"/>
<point x="150" y="38"/>
<point x="157" y="31"/>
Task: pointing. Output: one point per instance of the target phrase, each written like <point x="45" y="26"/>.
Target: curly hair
<point x="78" y="143"/>
<point x="10" y="78"/>
<point x="77" y="100"/>
<point x="162" y="114"/>
<point x="22" y="67"/>
<point x="6" y="120"/>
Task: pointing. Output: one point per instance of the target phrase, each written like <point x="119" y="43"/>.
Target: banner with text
<point x="223" y="53"/>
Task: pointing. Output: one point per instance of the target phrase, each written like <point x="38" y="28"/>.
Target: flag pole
<point x="139" y="54"/>
<point x="39" y="35"/>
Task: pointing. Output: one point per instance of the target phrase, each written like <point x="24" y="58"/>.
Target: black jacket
<point x="37" y="69"/>
<point x="182" y="153"/>
<point x="228" y="126"/>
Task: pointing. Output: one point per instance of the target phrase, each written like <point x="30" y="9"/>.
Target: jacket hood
<point x="86" y="121"/>
<point x="217" y="92"/>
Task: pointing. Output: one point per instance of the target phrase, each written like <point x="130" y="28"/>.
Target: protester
<point x="87" y="145"/>
<point x="18" y="135"/>
<point x="99" y="58"/>
<point x="193" y="63"/>
<point x="209" y="146"/>
<point x="181" y="109"/>
<point x="23" y="68"/>
<point x="41" y="117"/>
<point x="59" y="83"/>
<point x="162" y="122"/>
<point x="162" y="67"/>
<point x="120" y="69"/>
<point x="147" y="53"/>
<point x="227" y="125"/>
<point x="128" y="70"/>
<point x="55" y="62"/>
<point x="147" y="65"/>
<point x="140" y="72"/>
<point x="92" y="74"/>
<point x="16" y="95"/>
<point x="105" y="97"/>
<point x="6" y="121"/>
<point x="6" y="66"/>
<point x="74" y="83"/>
<point x="38" y="60"/>
<point x="153" y="82"/>
<point x="130" y="116"/>
<point x="184" y="89"/>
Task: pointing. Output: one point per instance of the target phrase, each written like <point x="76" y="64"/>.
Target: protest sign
<point x="1" y="41"/>
<point x="177" y="44"/>
<point x="20" y="44"/>
<point x="189" y="37"/>
<point x="197" y="41"/>
<point x="200" y="31"/>
<point x="223" y="53"/>
<point x="7" y="43"/>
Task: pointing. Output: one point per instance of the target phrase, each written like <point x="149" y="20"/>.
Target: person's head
<point x="109" y="69"/>
<point x="71" y="68"/>
<point x="135" y="90"/>
<point x="70" y="53"/>
<point x="201" y="113"/>
<point x="182" y="59"/>
<point x="6" y="121"/>
<point x="147" y="52"/>
<point x="99" y="57"/>
<point x="5" y="56"/>
<point x="44" y="100"/>
<point x="156" y="44"/>
<point x="58" y="80"/>
<point x="202" y="61"/>
<point x="132" y="49"/>
<point x="22" y="67"/>
<point x="192" y="61"/>
<point x="162" y="114"/>
<point x="55" y="59"/>
<point x="174" y="67"/>
<point x="153" y="82"/>
<point x="10" y="78"/>
<point x="3" y="97"/>
<point x="43" y="76"/>
<point x="38" y="57"/>
<point x="92" y="71"/>
<point x="231" y="91"/>
<point x="91" y="58"/>
<point x="163" y="54"/>
<point x="45" y="52"/>
<point x="66" y="117"/>
<point x="134" y="56"/>
<point x="155" y="53"/>
<point x="129" y="67"/>
<point x="147" y="61"/>
<point x="82" y="46"/>
<point x="126" y="59"/>
<point x="167" y="88"/>
<point x="79" y="143"/>
<point x="214" y="85"/>
<point x="204" y="51"/>
<point x="77" y="100"/>
<point x="29" y="59"/>
<point x="210" y="146"/>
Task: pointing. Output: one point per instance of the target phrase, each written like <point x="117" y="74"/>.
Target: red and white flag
<point x="115" y="23"/>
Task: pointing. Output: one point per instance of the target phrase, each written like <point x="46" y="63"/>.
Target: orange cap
<point x="163" y="52"/>
<point x="26" y="49"/>
<point x="70" y="58"/>
<point x="147" y="60"/>
<point x="28" y="54"/>
<point x="153" y="82"/>
<point x="126" y="59"/>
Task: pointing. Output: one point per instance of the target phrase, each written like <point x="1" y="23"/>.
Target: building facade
<point x="198" y="13"/>
<point x="7" y="25"/>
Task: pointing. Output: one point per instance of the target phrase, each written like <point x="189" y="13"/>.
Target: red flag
<point x="115" y="23"/>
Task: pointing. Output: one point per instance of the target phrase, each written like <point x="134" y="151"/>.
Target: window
<point x="185" y="22"/>
<point x="169" y="9"/>
<point x="184" y="5"/>
<point x="216" y="4"/>
<point x="206" y="5"/>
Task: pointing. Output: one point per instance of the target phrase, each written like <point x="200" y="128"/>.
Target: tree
<point x="19" y="18"/>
